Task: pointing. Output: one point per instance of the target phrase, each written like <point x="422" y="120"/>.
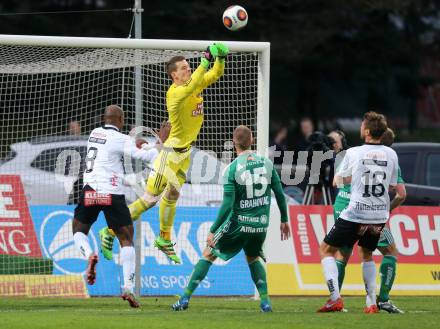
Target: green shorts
<point x="231" y="238"/>
<point x="386" y="238"/>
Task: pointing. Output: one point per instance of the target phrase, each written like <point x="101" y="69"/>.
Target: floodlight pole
<point x="137" y="10"/>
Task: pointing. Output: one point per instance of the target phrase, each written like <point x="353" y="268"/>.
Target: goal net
<point x="53" y="92"/>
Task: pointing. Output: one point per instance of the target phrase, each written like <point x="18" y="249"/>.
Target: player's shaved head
<point x="388" y="137"/>
<point x="243" y="137"/>
<point x="114" y="115"/>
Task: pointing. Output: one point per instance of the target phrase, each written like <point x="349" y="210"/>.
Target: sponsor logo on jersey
<point x="198" y="111"/>
<point x="98" y="134"/>
<point x="248" y="219"/>
<point x="249" y="229"/>
<point x="97" y="140"/>
<point x="114" y="180"/>
<point x="344" y="194"/>
<point x="371" y="207"/>
<point x="92" y="198"/>
<point x="254" y="162"/>
<point x="56" y="238"/>
<point x="371" y="162"/>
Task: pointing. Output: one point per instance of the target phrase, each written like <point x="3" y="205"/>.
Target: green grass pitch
<point x="209" y="313"/>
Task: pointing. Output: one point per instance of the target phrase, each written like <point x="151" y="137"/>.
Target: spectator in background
<point x="74" y="128"/>
<point x="279" y="141"/>
<point x="339" y="137"/>
<point x="306" y="129"/>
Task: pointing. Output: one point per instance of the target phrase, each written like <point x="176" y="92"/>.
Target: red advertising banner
<point x="416" y="231"/>
<point x="17" y="233"/>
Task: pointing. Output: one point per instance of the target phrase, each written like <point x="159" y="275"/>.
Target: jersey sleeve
<point x="131" y="149"/>
<point x="399" y="176"/>
<point x="181" y="92"/>
<point x="394" y="172"/>
<point x="279" y="195"/>
<point x="345" y="167"/>
<point x="213" y="74"/>
<point x="228" y="198"/>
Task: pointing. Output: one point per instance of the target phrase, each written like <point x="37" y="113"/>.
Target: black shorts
<point x="114" y="206"/>
<point x="345" y="234"/>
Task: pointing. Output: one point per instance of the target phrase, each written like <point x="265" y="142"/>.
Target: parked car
<point x="35" y="161"/>
<point x="420" y="165"/>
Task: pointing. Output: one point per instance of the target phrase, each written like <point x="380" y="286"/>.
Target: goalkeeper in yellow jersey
<point x="185" y="110"/>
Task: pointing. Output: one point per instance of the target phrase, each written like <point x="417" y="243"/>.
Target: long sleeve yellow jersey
<point x="185" y="105"/>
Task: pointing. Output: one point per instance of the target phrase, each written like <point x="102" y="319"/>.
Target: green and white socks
<point x="387" y="272"/>
<point x="387" y="275"/>
<point x="258" y="274"/>
<point x="198" y="274"/>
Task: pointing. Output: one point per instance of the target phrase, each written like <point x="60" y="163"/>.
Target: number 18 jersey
<point x="373" y="168"/>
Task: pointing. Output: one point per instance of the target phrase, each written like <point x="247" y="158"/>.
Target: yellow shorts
<point x="169" y="168"/>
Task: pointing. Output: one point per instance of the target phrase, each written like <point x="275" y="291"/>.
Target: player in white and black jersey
<point x="104" y="191"/>
<point x="370" y="169"/>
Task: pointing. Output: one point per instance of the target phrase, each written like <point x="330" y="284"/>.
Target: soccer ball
<point x="235" y="18"/>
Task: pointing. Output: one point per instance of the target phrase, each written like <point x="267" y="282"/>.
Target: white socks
<point x="331" y="276"/>
<point x="369" y="274"/>
<point x="128" y="261"/>
<point x="82" y="244"/>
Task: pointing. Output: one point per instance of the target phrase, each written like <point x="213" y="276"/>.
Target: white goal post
<point x="53" y="91"/>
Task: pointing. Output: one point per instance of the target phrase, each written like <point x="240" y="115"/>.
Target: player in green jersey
<point x="243" y="217"/>
<point x="386" y="243"/>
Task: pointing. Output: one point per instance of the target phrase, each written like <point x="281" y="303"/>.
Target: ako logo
<point x="57" y="243"/>
<point x="17" y="233"/>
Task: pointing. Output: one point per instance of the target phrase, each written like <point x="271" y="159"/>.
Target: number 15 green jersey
<point x="248" y="182"/>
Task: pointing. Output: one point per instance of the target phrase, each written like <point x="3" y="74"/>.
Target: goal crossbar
<point x="123" y="43"/>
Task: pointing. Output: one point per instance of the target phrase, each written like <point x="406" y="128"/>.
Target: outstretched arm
<point x="219" y="66"/>
<point x="198" y="76"/>
<point x="144" y="154"/>
<point x="213" y="74"/>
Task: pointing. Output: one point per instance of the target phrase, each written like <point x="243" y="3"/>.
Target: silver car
<point x="36" y="162"/>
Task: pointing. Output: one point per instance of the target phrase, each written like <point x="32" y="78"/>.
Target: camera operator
<point x="334" y="141"/>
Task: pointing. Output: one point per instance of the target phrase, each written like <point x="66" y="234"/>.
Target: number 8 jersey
<point x="106" y="148"/>
<point x="372" y="168"/>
